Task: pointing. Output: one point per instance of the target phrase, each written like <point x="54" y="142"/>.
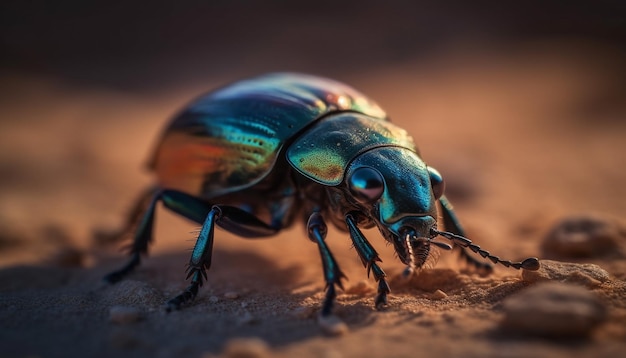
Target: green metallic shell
<point x="230" y="139"/>
<point x="323" y="152"/>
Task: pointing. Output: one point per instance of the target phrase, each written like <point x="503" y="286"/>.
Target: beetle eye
<point x="366" y="184"/>
<point x="436" y="181"/>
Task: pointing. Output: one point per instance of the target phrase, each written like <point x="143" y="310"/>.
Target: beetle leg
<point x="233" y="219"/>
<point x="243" y="223"/>
<point x="133" y="219"/>
<point x="200" y="261"/>
<point x="369" y="257"/>
<point x="143" y="236"/>
<point x="179" y="202"/>
<point x="282" y="210"/>
<point x="453" y="225"/>
<point x="317" y="230"/>
<point x="230" y="218"/>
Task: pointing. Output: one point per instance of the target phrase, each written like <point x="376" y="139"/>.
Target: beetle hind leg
<point x="118" y="275"/>
<point x="481" y="267"/>
<point x="103" y="238"/>
<point x="181" y="203"/>
<point x="143" y="236"/>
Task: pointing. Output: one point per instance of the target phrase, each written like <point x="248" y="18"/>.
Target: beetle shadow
<point x="247" y="294"/>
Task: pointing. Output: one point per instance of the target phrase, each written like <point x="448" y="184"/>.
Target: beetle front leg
<point x="317" y="230"/>
<point x="369" y="257"/>
<point x="453" y="225"/>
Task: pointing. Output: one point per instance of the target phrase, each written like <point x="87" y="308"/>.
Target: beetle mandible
<point x="254" y="156"/>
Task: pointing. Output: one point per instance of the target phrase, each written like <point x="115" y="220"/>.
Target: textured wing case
<point x="230" y="139"/>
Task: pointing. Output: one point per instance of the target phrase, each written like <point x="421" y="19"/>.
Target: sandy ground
<point x="524" y="140"/>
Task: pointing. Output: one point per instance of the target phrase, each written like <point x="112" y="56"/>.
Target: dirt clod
<point x="589" y="275"/>
<point x="584" y="236"/>
<point x="554" y="310"/>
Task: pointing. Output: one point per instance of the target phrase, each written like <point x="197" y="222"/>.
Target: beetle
<point x="254" y="156"/>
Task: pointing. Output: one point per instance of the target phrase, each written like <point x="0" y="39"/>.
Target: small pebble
<point x="439" y="295"/>
<point x="231" y="295"/>
<point x="246" y="348"/>
<point x="214" y="299"/>
<point x="332" y="325"/>
<point x="554" y="310"/>
<point x="589" y="275"/>
<point x="584" y="236"/>
<point x="124" y="314"/>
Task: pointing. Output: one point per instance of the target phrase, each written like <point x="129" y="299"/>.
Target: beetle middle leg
<point x="369" y="257"/>
<point x="453" y="225"/>
<point x="230" y="218"/>
<point x="316" y="228"/>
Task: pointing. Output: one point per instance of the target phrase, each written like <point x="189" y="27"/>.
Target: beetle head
<point x="395" y="189"/>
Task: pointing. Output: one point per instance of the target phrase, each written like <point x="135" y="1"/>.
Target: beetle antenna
<point x="531" y="263"/>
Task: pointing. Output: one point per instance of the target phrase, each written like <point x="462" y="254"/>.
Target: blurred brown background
<point x="521" y="106"/>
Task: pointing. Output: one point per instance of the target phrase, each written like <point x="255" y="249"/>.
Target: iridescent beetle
<point x="253" y="156"/>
